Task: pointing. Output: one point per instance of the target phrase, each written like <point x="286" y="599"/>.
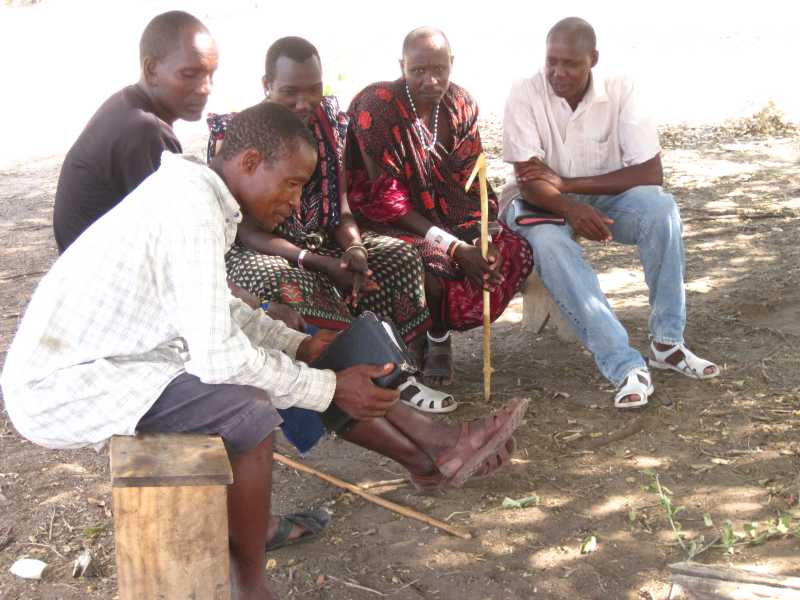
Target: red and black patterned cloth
<point x="412" y="178"/>
<point x="396" y="267"/>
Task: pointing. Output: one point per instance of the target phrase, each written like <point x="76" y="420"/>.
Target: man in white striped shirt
<point x="134" y="329"/>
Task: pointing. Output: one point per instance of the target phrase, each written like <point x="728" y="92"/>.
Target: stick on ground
<point x="387" y="504"/>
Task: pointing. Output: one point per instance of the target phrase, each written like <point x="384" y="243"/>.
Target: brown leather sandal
<point x="464" y="459"/>
<point x="427" y="484"/>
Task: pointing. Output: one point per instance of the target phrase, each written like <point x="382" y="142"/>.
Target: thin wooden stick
<point x="480" y="171"/>
<point x="388" y="505"/>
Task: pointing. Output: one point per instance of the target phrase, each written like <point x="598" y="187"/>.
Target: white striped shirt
<point x="139" y="298"/>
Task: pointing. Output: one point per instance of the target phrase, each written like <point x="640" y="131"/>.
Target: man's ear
<point x="149" y="70"/>
<point x="595" y="58"/>
<point x="250" y="160"/>
<point x="452" y="58"/>
<point x="402" y="67"/>
<point x="265" y="85"/>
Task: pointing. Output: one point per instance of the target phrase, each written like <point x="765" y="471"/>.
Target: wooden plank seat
<point x="170" y="516"/>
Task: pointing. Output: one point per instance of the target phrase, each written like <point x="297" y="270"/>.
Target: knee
<point x="661" y="212"/>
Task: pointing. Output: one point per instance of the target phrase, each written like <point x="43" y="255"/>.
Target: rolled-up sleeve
<point x="227" y="341"/>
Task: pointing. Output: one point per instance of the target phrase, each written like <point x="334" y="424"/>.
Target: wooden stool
<point x="170" y="516"/>
<point x="539" y="309"/>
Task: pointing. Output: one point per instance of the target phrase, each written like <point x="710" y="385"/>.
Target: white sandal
<point x="427" y="399"/>
<point x="637" y="383"/>
<point x="690" y="365"/>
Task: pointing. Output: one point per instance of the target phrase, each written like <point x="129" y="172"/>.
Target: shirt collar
<point x="230" y="207"/>
<point x="596" y="92"/>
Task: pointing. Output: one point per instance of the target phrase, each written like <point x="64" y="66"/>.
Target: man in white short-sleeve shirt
<point x="582" y="149"/>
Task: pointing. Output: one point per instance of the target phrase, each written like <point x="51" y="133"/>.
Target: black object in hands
<point x="367" y="341"/>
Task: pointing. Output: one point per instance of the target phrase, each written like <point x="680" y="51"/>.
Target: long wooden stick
<point x="480" y="171"/>
<point x="387" y="504"/>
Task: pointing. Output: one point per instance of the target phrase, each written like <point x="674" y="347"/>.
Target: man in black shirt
<point x="122" y="143"/>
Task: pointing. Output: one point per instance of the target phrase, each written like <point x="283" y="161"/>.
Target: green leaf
<point x="91" y="532"/>
<point x="532" y="500"/>
<point x="757" y="541"/>
<point x="784" y="523"/>
<point x="707" y="520"/>
<point x="589" y="544"/>
<point x="633" y="516"/>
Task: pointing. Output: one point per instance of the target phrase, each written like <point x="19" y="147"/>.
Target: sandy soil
<point x="728" y="449"/>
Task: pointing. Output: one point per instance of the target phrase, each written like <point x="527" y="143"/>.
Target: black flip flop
<point x="313" y="521"/>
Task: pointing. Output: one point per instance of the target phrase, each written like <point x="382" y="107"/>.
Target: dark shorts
<point x="241" y="414"/>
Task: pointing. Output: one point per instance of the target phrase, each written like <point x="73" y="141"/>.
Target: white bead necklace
<point x="418" y="122"/>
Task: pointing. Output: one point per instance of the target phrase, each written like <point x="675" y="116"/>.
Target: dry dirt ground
<point x="727" y="450"/>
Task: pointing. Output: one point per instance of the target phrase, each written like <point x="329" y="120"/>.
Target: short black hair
<point x="268" y="127"/>
<point x="296" y="48"/>
<point x="424" y="32"/>
<point x="163" y="33"/>
<point x="578" y="29"/>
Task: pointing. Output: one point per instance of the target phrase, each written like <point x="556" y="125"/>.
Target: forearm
<point x="259" y="240"/>
<point x="617" y="182"/>
<point x="413" y="223"/>
<point x="347" y="233"/>
<point x="268" y="243"/>
<point x="541" y="194"/>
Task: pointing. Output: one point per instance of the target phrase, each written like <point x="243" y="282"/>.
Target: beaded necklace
<point x="418" y="122"/>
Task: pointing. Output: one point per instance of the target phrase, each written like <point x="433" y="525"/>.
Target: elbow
<point x="657" y="171"/>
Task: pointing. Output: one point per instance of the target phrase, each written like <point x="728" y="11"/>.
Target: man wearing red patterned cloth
<point x="412" y="145"/>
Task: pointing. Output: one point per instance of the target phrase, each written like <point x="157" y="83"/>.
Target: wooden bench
<point x="539" y="309"/>
<point x="170" y="516"/>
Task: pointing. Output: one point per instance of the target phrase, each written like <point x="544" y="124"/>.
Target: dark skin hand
<point x="358" y="396"/>
<point x="350" y="273"/>
<point x="542" y="187"/>
<point x="485" y="273"/>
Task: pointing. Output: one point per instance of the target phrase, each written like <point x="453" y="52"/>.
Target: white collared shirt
<point x="139" y="298"/>
<point x="605" y="132"/>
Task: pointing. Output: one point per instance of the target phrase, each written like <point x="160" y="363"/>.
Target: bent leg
<point x="245" y="419"/>
<point x="649" y="217"/>
<point x="572" y="282"/>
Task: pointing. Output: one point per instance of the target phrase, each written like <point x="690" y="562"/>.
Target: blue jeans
<point x="646" y="216"/>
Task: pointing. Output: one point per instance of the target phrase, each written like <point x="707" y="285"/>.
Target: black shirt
<point x="119" y="147"/>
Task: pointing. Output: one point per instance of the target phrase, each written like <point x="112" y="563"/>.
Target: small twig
<point x="50" y="530"/>
<point x="458" y="512"/>
<point x="48" y="546"/>
<point x="356" y="586"/>
<point x="409" y="584"/>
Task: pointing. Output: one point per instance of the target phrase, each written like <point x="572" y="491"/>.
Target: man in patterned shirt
<point x="145" y="336"/>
